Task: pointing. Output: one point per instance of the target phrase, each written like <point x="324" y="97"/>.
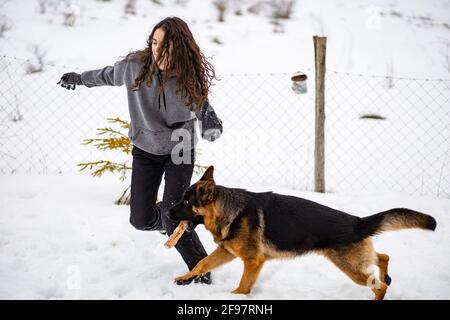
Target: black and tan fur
<point x="257" y="227"/>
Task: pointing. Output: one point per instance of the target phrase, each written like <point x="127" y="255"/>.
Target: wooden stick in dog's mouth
<point x="177" y="233"/>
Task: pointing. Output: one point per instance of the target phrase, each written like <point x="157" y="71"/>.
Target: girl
<point x="167" y="86"/>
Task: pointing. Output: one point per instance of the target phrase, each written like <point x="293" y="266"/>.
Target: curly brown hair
<point x="194" y="74"/>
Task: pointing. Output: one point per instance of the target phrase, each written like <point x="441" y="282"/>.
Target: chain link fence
<point x="383" y="134"/>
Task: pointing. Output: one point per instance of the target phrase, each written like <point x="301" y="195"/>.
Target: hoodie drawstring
<point x="163" y="94"/>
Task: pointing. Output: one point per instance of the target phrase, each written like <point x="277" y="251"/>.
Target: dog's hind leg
<point x="383" y="261"/>
<point x="356" y="262"/>
<point x="252" y="268"/>
<point x="217" y="258"/>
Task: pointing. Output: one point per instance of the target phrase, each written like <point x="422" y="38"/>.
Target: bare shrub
<point x="221" y="6"/>
<point x="39" y="55"/>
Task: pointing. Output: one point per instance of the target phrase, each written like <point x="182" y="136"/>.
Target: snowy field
<point x="408" y="152"/>
<point x="62" y="236"/>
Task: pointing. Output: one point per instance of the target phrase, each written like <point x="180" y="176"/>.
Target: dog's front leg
<point x="217" y="258"/>
<point x="252" y="268"/>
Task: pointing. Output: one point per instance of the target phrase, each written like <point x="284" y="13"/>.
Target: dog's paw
<point x="182" y="281"/>
<point x="240" y="291"/>
<point x="387" y="279"/>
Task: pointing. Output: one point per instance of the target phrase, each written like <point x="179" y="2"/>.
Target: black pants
<point x="146" y="214"/>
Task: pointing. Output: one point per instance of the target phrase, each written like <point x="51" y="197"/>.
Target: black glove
<point x="70" y="80"/>
<point x="211" y="124"/>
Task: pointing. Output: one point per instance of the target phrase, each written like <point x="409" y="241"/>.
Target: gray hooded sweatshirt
<point x="155" y="118"/>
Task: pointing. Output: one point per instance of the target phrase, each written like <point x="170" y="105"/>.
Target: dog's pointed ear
<point x="208" y="175"/>
<point x="207" y="191"/>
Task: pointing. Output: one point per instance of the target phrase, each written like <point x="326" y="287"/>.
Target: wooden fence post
<point x="320" y="45"/>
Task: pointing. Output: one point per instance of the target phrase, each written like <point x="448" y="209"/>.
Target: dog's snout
<point x="172" y="214"/>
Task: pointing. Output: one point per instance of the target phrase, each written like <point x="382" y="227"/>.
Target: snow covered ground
<point x="362" y="37"/>
<point x="61" y="237"/>
<point x="407" y="152"/>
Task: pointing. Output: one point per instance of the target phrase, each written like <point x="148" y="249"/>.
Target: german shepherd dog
<point x="257" y="227"/>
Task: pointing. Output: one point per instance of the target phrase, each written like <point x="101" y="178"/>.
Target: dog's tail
<point x="395" y="219"/>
